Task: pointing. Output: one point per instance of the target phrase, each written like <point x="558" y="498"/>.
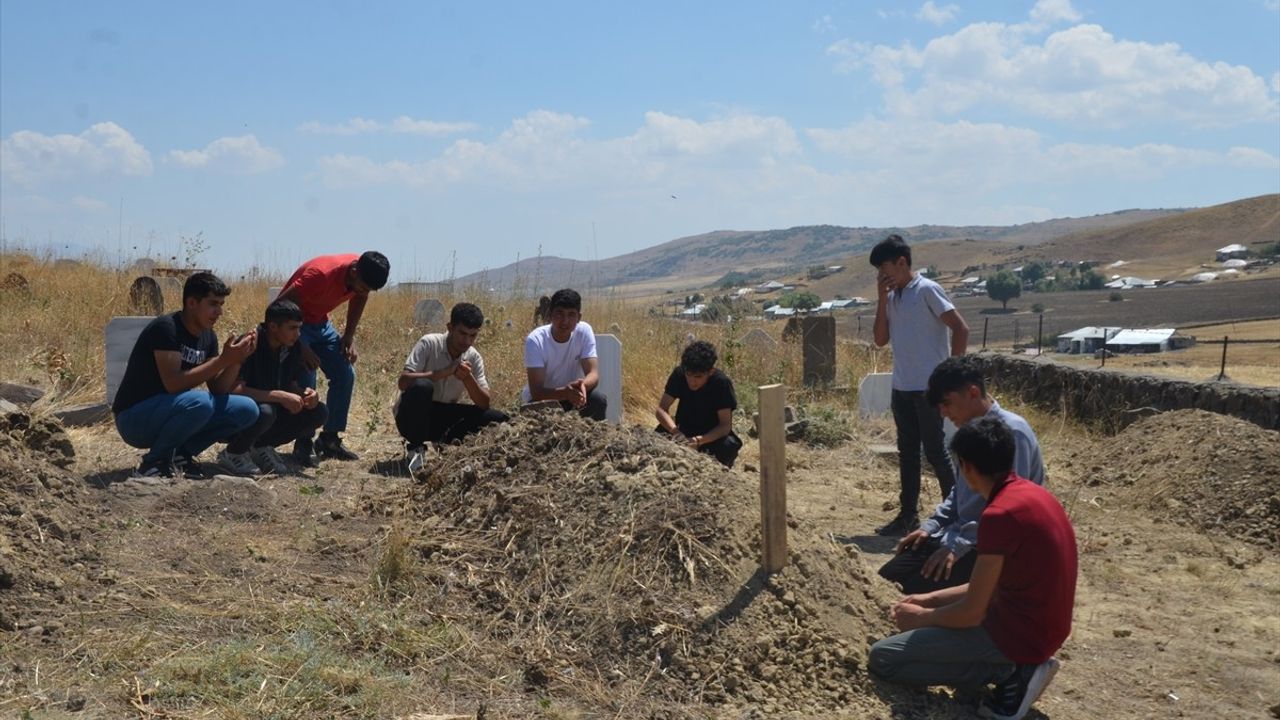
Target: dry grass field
<point x="545" y="571"/>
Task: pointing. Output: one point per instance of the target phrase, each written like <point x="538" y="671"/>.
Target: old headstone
<point x="609" y="355"/>
<point x="272" y="294"/>
<point x="428" y="312"/>
<point x="16" y="283"/>
<point x="121" y="334"/>
<point x="171" y="292"/>
<point x="818" y="340"/>
<point x="85" y="414"/>
<point x="758" y="339"/>
<point x="145" y="296"/>
<point x="20" y="394"/>
<point x="874" y="393"/>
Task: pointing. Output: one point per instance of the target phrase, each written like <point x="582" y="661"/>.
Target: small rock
<point x="1121" y="633"/>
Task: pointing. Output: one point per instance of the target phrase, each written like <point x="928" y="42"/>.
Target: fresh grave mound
<point x="586" y="550"/>
<point x="1190" y="466"/>
<point x="44" y="550"/>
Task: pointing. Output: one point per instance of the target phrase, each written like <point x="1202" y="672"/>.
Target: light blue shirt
<point x="955" y="521"/>
<point x="919" y="338"/>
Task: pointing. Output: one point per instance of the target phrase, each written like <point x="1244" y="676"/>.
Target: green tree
<point x="1032" y="272"/>
<point x="1004" y="286"/>
<point x="1090" y="280"/>
<point x="800" y="300"/>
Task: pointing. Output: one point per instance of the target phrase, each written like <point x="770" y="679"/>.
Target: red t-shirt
<point x="322" y="285"/>
<point x="1030" y="613"/>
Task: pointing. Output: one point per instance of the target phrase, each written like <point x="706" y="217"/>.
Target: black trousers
<point x="420" y="419"/>
<point x="725" y="450"/>
<point x="276" y="426"/>
<point x="596" y="407"/>
<point x="918" y="423"/>
<point x="905" y="568"/>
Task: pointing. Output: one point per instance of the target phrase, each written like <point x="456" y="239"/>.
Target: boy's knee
<point x="195" y="405"/>
<point x="882" y="659"/>
<point x="242" y="411"/>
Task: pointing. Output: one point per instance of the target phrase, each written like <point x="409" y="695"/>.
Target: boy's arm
<point x="724" y="426"/>
<point x="590" y="372"/>
<point x="538" y="391"/>
<point x="663" y="413"/>
<point x="881" y="330"/>
<point x="959" y="331"/>
<point x="968" y="610"/>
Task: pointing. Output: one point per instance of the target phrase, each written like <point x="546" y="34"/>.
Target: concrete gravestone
<point x="122" y="333"/>
<point x="272" y="294"/>
<point x="145" y="297"/>
<point x="758" y="339"/>
<point x="609" y="356"/>
<point x="874" y="394"/>
<point x="818" y="340"/>
<point x="428" y="313"/>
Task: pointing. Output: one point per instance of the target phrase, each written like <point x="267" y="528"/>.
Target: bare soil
<point x="554" y="569"/>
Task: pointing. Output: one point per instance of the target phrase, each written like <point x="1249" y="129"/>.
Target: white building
<point x="1129" y="283"/>
<point x="1085" y="340"/>
<point x="770" y="286"/>
<point x="1235" y="263"/>
<point x="1234" y="250"/>
<point x="1148" y="340"/>
<point x="1203" y="277"/>
<point x="777" y="312"/>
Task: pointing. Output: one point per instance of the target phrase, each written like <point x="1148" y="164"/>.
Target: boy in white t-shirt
<point x="560" y="360"/>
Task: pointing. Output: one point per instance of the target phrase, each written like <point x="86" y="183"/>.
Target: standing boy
<point x="440" y="368"/>
<point x="915" y="315"/>
<point x="319" y="286"/>
<point x="273" y="377"/>
<point x="158" y="406"/>
<point x="560" y="360"/>
<point x="704" y="415"/>
<point x="939" y="554"/>
<point x="1005" y="624"/>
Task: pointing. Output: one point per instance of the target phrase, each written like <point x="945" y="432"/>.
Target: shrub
<point x="1116" y="297"/>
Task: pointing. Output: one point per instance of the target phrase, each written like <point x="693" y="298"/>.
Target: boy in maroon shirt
<point x="1005" y="624"/>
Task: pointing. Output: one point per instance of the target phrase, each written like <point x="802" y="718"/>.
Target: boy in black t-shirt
<point x="704" y="417"/>
<point x="158" y="406"/>
<point x="274" y="376"/>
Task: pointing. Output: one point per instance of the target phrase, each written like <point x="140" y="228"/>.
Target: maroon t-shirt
<point x="1030" y="613"/>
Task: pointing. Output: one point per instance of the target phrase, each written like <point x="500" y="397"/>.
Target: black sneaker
<point x="189" y="467"/>
<point x="899" y="526"/>
<point x="304" y="452"/>
<point x="161" y="468"/>
<point x="330" y="446"/>
<point x="1013" y="698"/>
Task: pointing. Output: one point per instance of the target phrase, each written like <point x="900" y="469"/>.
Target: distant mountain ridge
<point x="722" y="251"/>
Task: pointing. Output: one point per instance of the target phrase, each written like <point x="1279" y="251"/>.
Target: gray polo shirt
<point x="919" y="338"/>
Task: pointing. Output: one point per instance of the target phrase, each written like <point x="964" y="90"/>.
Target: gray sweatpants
<point x="940" y="656"/>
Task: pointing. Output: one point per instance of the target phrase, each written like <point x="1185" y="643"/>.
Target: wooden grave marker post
<point x="773" y="478"/>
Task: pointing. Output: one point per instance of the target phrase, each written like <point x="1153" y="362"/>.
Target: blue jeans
<point x="188" y="422"/>
<point x="325" y="342"/>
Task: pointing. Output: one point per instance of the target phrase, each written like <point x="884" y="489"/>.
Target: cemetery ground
<point x="554" y="569"/>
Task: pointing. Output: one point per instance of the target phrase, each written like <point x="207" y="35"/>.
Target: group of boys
<point x="989" y="576"/>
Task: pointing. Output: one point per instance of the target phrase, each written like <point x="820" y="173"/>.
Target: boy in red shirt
<point x="318" y="287"/>
<point x="1004" y="626"/>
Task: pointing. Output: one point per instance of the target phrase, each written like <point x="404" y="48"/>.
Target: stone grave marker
<point x="874" y="393"/>
<point x="609" y="355"/>
<point x="428" y="312"/>
<point x="818" y="340"/>
<point x="758" y="339"/>
<point x="121" y="334"/>
<point x="272" y="294"/>
<point x="145" y="297"/>
<point x="171" y="291"/>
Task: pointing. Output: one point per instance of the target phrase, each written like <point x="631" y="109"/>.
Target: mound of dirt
<point x="587" y="549"/>
<point x="1199" y="468"/>
<point x="43" y="548"/>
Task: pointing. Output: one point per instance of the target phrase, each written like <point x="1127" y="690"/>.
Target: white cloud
<point x="401" y="125"/>
<point x="1275" y="78"/>
<point x="825" y="24"/>
<point x="1272" y="5"/>
<point x="1080" y="74"/>
<point x="242" y="155"/>
<point x="88" y="203"/>
<point x="104" y="150"/>
<point x="1047" y="12"/>
<point x="931" y="13"/>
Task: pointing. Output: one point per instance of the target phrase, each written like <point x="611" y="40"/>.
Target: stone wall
<point x="1115" y="399"/>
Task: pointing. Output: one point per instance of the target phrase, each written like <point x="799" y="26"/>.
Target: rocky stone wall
<point x="1115" y="399"/>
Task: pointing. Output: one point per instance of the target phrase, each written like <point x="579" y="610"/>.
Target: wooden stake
<point x="1223" y="372"/>
<point x="773" y="478"/>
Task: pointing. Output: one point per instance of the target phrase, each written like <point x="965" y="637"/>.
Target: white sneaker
<point x="417" y="460"/>
<point x="269" y="460"/>
<point x="238" y="463"/>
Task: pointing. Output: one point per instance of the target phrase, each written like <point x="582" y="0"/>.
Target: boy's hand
<point x="238" y="349"/>
<point x="911" y="540"/>
<point x="349" y="350"/>
<point x="938" y="566"/>
<point x="884" y="284"/>
<point x="310" y="398"/>
<point x="462" y="370"/>
<point x="291" y="402"/>
<point x="908" y="616"/>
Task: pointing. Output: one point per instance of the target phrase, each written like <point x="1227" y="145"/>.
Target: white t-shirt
<point x="431" y="353"/>
<point x="563" y="361"/>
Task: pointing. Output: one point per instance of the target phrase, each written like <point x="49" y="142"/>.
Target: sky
<point x="456" y="137"/>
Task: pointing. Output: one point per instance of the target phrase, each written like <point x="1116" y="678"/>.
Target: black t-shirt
<point x="697" y="412"/>
<point x="165" y="333"/>
<point x="269" y="370"/>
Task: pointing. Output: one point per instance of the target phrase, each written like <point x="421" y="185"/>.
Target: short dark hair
<point x="567" y="299"/>
<point x="987" y="444"/>
<point x="467" y="315"/>
<point x="699" y="357"/>
<point x="954" y="373"/>
<point x="282" y="311"/>
<point x="890" y="248"/>
<point x="203" y="284"/>
<point x="373" y="268"/>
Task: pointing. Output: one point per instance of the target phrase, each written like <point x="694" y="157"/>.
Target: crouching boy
<point x="704" y="413"/>
<point x="273" y="377"/>
<point x="1005" y="624"/>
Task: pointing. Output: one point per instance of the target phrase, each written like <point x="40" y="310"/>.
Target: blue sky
<point x="487" y="131"/>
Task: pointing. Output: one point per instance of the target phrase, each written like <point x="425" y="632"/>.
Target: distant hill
<point x="715" y="253"/>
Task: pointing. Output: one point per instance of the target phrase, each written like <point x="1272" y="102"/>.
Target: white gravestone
<point x="428" y="313"/>
<point x="875" y="393"/>
<point x="272" y="294"/>
<point x="609" y="356"/>
<point x="122" y="333"/>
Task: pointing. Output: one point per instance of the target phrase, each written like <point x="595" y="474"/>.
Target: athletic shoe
<point x="1013" y="698"/>
<point x="189" y="467"/>
<point x="417" y="459"/>
<point x="899" y="526"/>
<point x="304" y="452"/>
<point x="330" y="446"/>
<point x="161" y="468"/>
<point x="238" y="464"/>
<point x="269" y="460"/>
